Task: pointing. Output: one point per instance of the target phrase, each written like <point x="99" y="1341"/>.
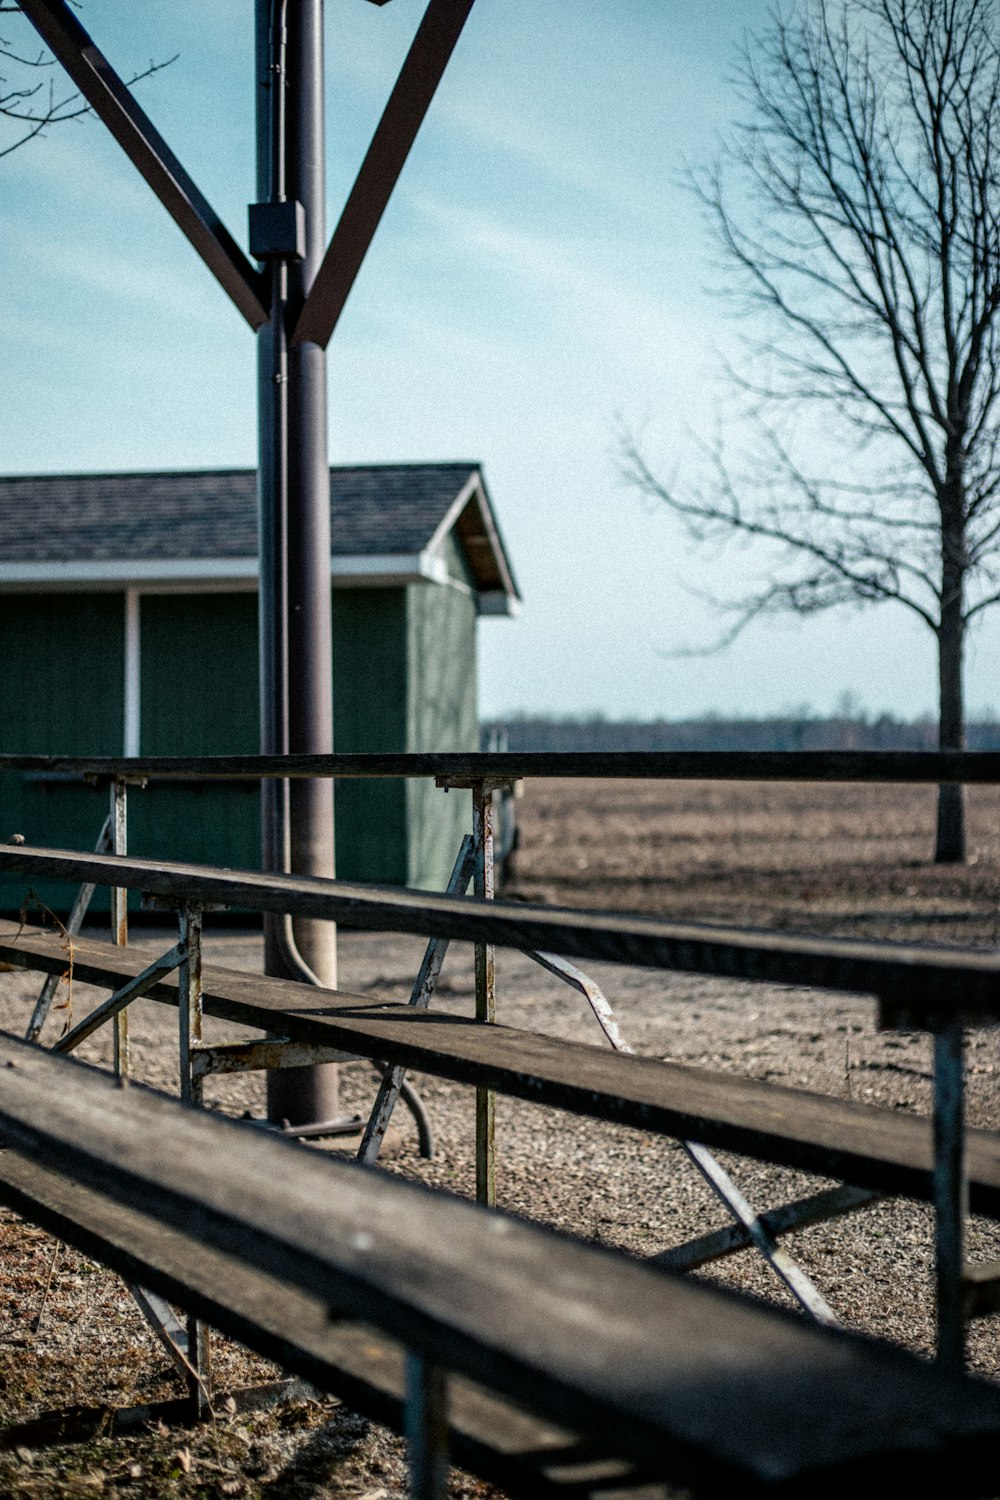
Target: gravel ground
<point x="791" y="857"/>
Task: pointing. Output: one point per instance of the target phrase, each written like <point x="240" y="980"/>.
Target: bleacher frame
<point x="940" y="991"/>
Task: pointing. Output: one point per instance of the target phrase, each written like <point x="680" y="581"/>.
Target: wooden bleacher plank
<point x="710" y="1391"/>
<point x="857" y="1143"/>
<point x="952" y="981"/>
<point x="927" y="767"/>
<point x="495" y="1440"/>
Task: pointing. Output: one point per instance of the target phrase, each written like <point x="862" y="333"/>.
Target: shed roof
<point x="191" y="529"/>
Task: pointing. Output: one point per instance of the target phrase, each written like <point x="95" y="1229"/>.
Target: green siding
<point x="62" y="672"/>
<point x="404" y="679"/>
<point x="369" y="716"/>
<point x="199" y="696"/>
<point x="199" y="674"/>
<point x="442" y="715"/>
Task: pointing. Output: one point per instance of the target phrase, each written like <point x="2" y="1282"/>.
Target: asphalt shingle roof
<point x="375" y="510"/>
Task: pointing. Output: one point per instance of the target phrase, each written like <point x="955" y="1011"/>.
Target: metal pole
<point x="119" y="914"/>
<point x="272" y="462"/>
<point x="189" y="1004"/>
<point x="189" y="1012"/>
<point x="296" y="672"/>
<point x="951" y="1192"/>
<point x="426" y="1422"/>
<point x="482" y="834"/>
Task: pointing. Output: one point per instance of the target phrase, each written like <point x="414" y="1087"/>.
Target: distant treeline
<point x="791" y="732"/>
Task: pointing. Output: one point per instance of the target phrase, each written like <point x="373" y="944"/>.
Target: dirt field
<point x="848" y="860"/>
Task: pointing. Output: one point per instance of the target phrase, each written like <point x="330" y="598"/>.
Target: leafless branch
<point x="857" y="206"/>
<point x="32" y="104"/>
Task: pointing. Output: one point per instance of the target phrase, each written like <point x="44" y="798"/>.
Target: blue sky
<point x="540" y="272"/>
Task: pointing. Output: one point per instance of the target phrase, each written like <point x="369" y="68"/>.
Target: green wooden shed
<point x="128" y="625"/>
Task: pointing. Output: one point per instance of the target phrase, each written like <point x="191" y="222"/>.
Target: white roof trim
<point x="117" y="573"/>
<point x="114" y="571"/>
<point x="236" y="575"/>
<point x="475" y="488"/>
<point x="471" y="486"/>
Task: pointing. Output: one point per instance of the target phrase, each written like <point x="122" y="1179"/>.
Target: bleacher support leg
<point x="199" y="1379"/>
<point x="426" y="1427"/>
<point x="951" y="1192"/>
<point x="482" y="834"/>
<point x="119" y="914"/>
<point x="189" y="1002"/>
<point x="189" y="1010"/>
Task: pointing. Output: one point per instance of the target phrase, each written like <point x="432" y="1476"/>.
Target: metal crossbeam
<point x="781" y="1263"/>
<point x="594" y="996"/>
<point x="817" y="1208"/>
<point x="403" y="115"/>
<point x="142" y="143"/>
<point x="898" y="767"/>
<point x="261" y="1056"/>
<point x="176" y="1340"/>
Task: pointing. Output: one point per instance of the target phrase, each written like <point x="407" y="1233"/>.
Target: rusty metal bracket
<point x="259" y="1056"/>
<point x="152" y="902"/>
<point x="477" y="783"/>
<point x="483" y="886"/>
<point x="74" y="922"/>
<point x="112" y="1008"/>
<point x="118" y="814"/>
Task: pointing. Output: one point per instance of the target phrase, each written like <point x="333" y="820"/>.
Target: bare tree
<point x="859" y="203"/>
<point x="30" y="99"/>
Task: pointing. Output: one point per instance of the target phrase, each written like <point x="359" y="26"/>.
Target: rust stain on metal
<point x="483" y="885"/>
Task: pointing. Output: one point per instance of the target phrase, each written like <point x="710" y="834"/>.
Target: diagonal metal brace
<point x="172" y="1335"/>
<point x="817" y="1208"/>
<point x="751" y="1225"/>
<point x="111" y="101"/>
<point x="74" y="922"/>
<point x="396" y="131"/>
<point x="394" y="1077"/>
<point x="134" y="990"/>
<point x="595" y="997"/>
<point x="784" y="1267"/>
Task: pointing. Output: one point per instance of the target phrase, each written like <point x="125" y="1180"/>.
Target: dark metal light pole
<point x="294" y="508"/>
<point x="293" y="306"/>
